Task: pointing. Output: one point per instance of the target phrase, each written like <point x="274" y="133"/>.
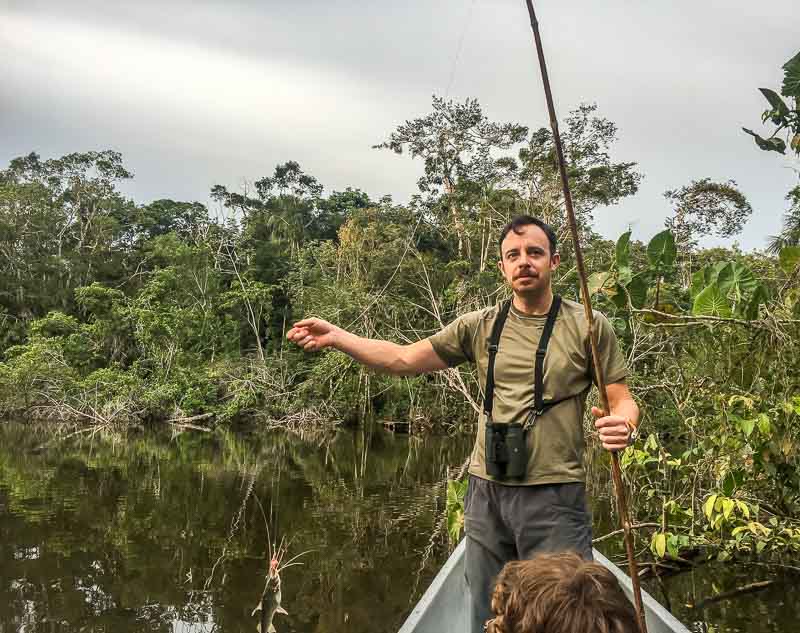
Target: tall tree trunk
<point x="464" y="246"/>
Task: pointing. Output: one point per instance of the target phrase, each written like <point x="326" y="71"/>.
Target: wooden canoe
<point x="444" y="608"/>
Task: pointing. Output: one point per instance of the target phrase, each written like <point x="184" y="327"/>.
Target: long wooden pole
<point x="619" y="488"/>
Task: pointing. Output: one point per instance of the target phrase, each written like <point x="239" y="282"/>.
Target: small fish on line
<point x="270" y="603"/>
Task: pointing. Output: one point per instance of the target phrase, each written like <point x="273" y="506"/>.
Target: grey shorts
<point x="504" y="523"/>
<point x="516" y="522"/>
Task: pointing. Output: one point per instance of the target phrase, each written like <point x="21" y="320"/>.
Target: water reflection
<point x="158" y="533"/>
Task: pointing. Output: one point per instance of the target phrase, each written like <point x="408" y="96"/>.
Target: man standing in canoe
<point x="526" y="491"/>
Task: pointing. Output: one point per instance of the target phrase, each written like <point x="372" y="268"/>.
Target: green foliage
<point x="126" y="313"/>
<point x="789" y="258"/>
<point x="790" y="235"/>
<point x="703" y="208"/>
<point x="726" y="289"/>
<point x="718" y="469"/>
<point x="33" y="376"/>
<point x="661" y="250"/>
<point x="784" y="115"/>
<point x="736" y="281"/>
<point x="61" y="222"/>
<point x="456" y="491"/>
<point x="737" y="462"/>
<point x="622" y="256"/>
<point x="55" y="324"/>
<point x="772" y="144"/>
<point x="791" y="78"/>
<point x="711" y="301"/>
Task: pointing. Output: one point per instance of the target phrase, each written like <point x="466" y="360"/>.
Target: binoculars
<point x="506" y="450"/>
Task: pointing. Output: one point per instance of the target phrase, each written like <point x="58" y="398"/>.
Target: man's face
<point x="526" y="262"/>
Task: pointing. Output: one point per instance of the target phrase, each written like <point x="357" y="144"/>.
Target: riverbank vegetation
<point x="121" y="313"/>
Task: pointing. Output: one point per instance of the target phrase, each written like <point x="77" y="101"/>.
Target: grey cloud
<point x="204" y="92"/>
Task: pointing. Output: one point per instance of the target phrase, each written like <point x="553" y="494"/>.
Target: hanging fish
<point x="270" y="603"/>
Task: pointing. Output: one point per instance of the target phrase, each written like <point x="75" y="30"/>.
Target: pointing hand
<point x="313" y="334"/>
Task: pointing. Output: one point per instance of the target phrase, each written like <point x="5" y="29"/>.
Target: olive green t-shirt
<point x="555" y="443"/>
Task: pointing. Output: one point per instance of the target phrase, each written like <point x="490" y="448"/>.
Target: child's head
<point x="559" y="593"/>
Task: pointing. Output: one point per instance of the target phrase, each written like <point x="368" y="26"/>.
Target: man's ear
<point x="500" y="265"/>
<point x="555" y="260"/>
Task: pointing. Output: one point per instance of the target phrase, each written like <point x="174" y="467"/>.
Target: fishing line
<point x="458" y="49"/>
<point x="447" y="92"/>
<point x="400" y="263"/>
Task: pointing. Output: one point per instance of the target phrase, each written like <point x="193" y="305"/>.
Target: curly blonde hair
<point x="559" y="593"/>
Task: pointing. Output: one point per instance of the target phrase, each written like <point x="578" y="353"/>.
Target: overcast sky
<point x="199" y="93"/>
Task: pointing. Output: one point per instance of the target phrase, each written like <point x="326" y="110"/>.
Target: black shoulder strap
<point x="494" y="342"/>
<point x="538" y="376"/>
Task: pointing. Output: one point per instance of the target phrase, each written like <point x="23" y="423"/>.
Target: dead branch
<point x="637" y="526"/>
<point x="749" y="588"/>
<point x="183" y="420"/>
<point x="680" y="320"/>
<point x="189" y="427"/>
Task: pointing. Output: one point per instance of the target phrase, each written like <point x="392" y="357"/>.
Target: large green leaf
<point x="661" y="250"/>
<point x="658" y="544"/>
<point x="709" y="506"/>
<point x="747" y="425"/>
<point x="714" y="271"/>
<point x="791" y="80"/>
<point x="456" y="491"/>
<point x="623" y="252"/>
<point x="672" y="546"/>
<point x="637" y="289"/>
<point x="705" y="277"/>
<point x="711" y="302"/>
<point x="699" y="281"/>
<point x="724" y="278"/>
<point x="789" y="258"/>
<point x="737" y="281"/>
<point x="455" y="521"/>
<point x="773" y="144"/>
<point x="775" y="101"/>
<point x="620" y="297"/>
<point x="732" y="481"/>
<point x="760" y="296"/>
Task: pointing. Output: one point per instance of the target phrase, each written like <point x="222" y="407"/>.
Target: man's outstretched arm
<point x="401" y="360"/>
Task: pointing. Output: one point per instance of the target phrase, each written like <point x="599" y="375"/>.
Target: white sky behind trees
<point x="199" y="93"/>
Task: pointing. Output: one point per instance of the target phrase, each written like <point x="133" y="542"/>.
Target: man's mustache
<point x="525" y="274"/>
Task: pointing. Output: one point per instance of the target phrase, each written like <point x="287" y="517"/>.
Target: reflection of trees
<point x="123" y="535"/>
<point x="748" y="612"/>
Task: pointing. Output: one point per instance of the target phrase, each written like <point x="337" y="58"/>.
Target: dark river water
<point x="155" y="532"/>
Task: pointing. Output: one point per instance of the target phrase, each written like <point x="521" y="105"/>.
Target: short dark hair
<point x="559" y="593"/>
<point x="526" y="220"/>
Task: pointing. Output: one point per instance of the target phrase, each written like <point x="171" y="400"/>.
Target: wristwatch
<point x="633" y="431"/>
